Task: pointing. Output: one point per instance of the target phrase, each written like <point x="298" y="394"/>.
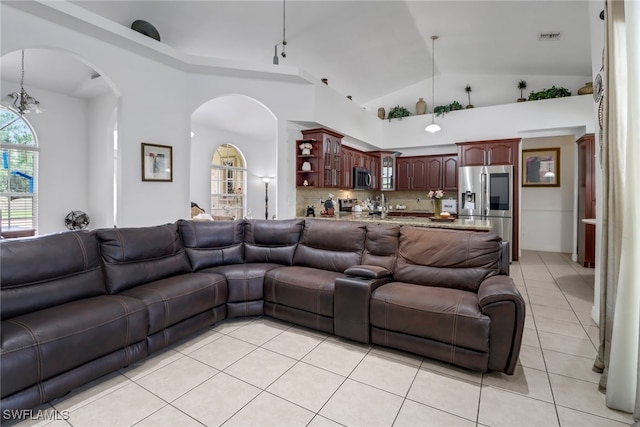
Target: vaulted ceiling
<point x="366" y="49"/>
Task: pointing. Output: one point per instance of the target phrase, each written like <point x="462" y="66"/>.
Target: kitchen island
<point x="456" y="224"/>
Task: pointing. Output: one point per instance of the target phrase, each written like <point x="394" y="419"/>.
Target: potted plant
<point x="441" y="110"/>
<point x="522" y="85"/>
<point x="398" y="112"/>
<point x="468" y="90"/>
<point x="553" y="92"/>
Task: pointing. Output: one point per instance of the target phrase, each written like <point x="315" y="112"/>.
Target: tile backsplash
<point x="413" y="200"/>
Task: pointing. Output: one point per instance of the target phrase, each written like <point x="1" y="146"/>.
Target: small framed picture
<point x="541" y="167"/>
<point x="157" y="162"/>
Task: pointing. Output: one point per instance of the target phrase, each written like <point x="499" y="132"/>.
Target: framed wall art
<point x="541" y="167"/>
<point x="157" y="162"/>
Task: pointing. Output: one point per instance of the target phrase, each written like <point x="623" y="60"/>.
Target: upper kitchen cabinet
<point x="329" y="146"/>
<point x="411" y="173"/>
<point x="484" y="153"/>
<point x="442" y="172"/>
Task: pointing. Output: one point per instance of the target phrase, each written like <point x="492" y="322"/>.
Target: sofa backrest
<point x="271" y="241"/>
<point x="135" y="256"/>
<point x="49" y="270"/>
<point x="213" y="243"/>
<point x="447" y="258"/>
<point x="381" y="245"/>
<point x="330" y="245"/>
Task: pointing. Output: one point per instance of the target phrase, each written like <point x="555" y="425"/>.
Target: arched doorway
<point x="241" y="123"/>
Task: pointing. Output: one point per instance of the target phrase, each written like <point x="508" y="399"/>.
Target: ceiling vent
<point x="549" y="36"/>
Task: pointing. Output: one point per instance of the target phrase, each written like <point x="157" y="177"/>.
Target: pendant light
<point x="433" y="127"/>
<point x="284" y="35"/>
<point x="22" y="102"/>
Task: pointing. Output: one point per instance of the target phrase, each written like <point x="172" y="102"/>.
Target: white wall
<point x="547" y="214"/>
<point x="486" y="90"/>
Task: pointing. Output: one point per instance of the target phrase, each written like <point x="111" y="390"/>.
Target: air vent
<point x="549" y="36"/>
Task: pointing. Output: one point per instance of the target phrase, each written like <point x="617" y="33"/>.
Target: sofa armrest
<point x="351" y="300"/>
<point x="368" y="271"/>
<point x="499" y="299"/>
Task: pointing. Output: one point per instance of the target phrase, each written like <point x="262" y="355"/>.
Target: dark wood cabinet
<point x="411" y="173"/>
<point x="325" y="159"/>
<point x="450" y="173"/>
<point x="586" y="200"/>
<point x="494" y="152"/>
<point x="442" y="173"/>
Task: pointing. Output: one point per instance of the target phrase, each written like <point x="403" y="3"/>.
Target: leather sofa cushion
<point x="177" y="298"/>
<point x="135" y="256"/>
<point x="447" y="258"/>
<point x="213" y="243"/>
<point x="304" y="288"/>
<point x="245" y="282"/>
<point x="330" y="245"/>
<point x="450" y="316"/>
<point x="35" y="275"/>
<point x="381" y="245"/>
<point x="271" y="241"/>
<point x="45" y="343"/>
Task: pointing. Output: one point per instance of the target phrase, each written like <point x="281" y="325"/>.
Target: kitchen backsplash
<point x="411" y="200"/>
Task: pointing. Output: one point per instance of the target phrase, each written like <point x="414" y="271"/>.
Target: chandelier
<point x="433" y="127"/>
<point x="22" y="102"/>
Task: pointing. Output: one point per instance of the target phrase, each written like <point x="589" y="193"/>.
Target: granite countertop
<point x="458" y="224"/>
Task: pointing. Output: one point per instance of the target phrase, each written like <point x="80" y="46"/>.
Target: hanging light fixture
<point x="284" y="38"/>
<point x="22" y="102"/>
<point x="433" y="127"/>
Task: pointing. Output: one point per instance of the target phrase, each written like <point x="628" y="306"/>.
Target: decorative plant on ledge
<point x="441" y="110"/>
<point x="398" y="112"/>
<point x="554" y="92"/>
<point x="468" y="90"/>
<point x="522" y="85"/>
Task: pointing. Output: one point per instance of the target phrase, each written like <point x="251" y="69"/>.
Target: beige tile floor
<point x="263" y="372"/>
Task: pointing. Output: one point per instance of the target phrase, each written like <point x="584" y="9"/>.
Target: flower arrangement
<point x="437" y="194"/>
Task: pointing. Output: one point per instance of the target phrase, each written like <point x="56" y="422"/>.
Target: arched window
<point x="228" y="177"/>
<point x="18" y="171"/>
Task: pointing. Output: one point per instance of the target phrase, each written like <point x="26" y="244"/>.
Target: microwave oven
<point x="361" y="178"/>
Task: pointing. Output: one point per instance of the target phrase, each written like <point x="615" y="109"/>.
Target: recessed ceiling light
<point x="549" y="36"/>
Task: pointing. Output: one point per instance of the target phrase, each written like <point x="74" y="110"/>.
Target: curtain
<point x="619" y="350"/>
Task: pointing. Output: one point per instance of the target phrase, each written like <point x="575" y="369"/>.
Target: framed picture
<point x="157" y="162"/>
<point x="541" y="167"/>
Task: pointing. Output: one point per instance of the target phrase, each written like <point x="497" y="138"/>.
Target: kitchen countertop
<point x="458" y="224"/>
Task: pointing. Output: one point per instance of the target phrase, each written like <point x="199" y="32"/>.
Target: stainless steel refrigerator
<point x="486" y="192"/>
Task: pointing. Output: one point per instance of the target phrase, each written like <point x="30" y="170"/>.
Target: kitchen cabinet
<point x="411" y="173"/>
<point x="349" y="159"/>
<point x="387" y="173"/>
<point x="586" y="200"/>
<point x="308" y="165"/>
<point x="375" y="171"/>
<point x="442" y="173"/>
<point x="485" y="153"/>
<point x="328" y="164"/>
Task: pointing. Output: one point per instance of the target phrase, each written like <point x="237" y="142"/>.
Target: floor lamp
<point x="266" y="181"/>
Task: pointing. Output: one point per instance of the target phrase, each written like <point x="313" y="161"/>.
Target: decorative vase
<point x="421" y="106"/>
<point x="437" y="208"/>
<point x="306" y="151"/>
<point x="381" y="113"/>
<point x="587" y="89"/>
<point x="306" y="166"/>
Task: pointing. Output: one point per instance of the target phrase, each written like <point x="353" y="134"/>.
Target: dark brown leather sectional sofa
<point x="78" y="305"/>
